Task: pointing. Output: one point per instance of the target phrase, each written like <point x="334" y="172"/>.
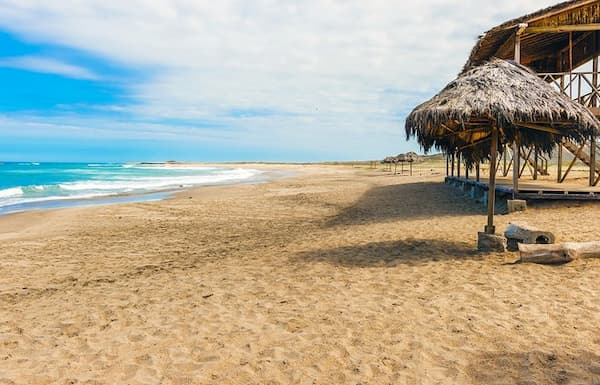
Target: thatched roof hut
<point x="492" y="104"/>
<point x="504" y="95"/>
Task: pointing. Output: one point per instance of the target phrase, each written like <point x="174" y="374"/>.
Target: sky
<point x="295" y="81"/>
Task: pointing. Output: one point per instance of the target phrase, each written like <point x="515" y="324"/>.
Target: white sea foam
<point x="124" y="184"/>
<point x="158" y="182"/>
<point x="11" y="192"/>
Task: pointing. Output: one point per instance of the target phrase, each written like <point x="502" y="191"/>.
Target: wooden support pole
<point x="559" y="165"/>
<point x="466" y="171"/>
<point x="535" y="162"/>
<point x="489" y="228"/>
<point x="570" y="65"/>
<point x="515" y="178"/>
<point x="452" y="164"/>
<point x="447" y="164"/>
<point x="477" y="171"/>
<point x="504" y="155"/>
<point x="458" y="166"/>
<point x="593" y="102"/>
<point x="592" y="160"/>
<point x="410" y="167"/>
<point x="594" y="98"/>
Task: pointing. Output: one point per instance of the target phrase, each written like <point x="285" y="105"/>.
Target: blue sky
<point x="238" y="80"/>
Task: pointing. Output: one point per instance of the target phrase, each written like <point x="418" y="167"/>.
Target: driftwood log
<point x="558" y="253"/>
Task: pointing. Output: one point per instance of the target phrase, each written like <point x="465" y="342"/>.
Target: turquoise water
<point x="26" y="186"/>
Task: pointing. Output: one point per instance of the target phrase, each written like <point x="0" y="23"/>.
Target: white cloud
<point x="326" y="66"/>
<point x="48" y="65"/>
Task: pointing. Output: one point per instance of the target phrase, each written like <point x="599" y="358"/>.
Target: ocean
<point x="32" y="185"/>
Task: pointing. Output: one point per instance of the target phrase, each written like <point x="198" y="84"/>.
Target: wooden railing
<point x="582" y="87"/>
<point x="578" y="86"/>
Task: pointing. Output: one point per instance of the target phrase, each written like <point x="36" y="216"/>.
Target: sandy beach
<point x="337" y="275"/>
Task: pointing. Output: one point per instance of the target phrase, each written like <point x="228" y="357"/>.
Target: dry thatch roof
<point x="501" y="94"/>
<point x="545" y="52"/>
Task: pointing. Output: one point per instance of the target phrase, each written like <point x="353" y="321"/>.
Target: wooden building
<point x="562" y="44"/>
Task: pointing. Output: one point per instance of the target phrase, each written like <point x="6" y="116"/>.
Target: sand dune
<point x="335" y="276"/>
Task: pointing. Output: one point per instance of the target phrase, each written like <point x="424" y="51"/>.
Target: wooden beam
<point x="562" y="179"/>
<point x="564" y="28"/>
<point x="540" y="128"/>
<point x="526" y="162"/>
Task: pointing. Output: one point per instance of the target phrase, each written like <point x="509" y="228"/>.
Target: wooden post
<point x="466" y="171"/>
<point x="477" y="172"/>
<point x="592" y="160"/>
<point x="453" y="164"/>
<point x="535" y="162"/>
<point x="570" y="65"/>
<point x="410" y="167"/>
<point x="505" y="154"/>
<point x="593" y="102"/>
<point x="516" y="154"/>
<point x="594" y="99"/>
<point x="447" y="164"/>
<point x="401" y="168"/>
<point x="489" y="228"/>
<point x="458" y="166"/>
<point x="516" y="157"/>
<point x="560" y="161"/>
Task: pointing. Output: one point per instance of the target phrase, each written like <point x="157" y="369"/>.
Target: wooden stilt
<point x="489" y="228"/>
<point x="447" y="164"/>
<point x="452" y="164"/>
<point x="516" y="156"/>
<point x="559" y="165"/>
<point x="504" y="155"/>
<point x="477" y="172"/>
<point x="458" y="166"/>
<point x="535" y="162"/>
<point x="410" y="167"/>
<point x="592" y="160"/>
<point x="515" y="178"/>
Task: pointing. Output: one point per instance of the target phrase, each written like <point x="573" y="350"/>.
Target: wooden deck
<point x="534" y="190"/>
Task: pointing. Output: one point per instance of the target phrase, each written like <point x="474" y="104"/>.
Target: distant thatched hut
<point x="493" y="104"/>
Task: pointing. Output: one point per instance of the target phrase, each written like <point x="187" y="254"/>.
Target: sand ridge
<point x="336" y="276"/>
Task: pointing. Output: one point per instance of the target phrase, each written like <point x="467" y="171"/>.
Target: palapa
<point x="494" y="104"/>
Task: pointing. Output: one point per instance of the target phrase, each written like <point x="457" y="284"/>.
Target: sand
<point x="338" y="275"/>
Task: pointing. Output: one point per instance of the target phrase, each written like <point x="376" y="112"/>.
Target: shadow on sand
<point x="406" y="201"/>
<point x="535" y="368"/>
<point x="408" y="251"/>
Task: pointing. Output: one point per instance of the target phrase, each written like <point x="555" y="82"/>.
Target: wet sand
<point x="338" y="275"/>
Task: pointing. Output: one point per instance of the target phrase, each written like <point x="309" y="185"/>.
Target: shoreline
<point x="56" y="203"/>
